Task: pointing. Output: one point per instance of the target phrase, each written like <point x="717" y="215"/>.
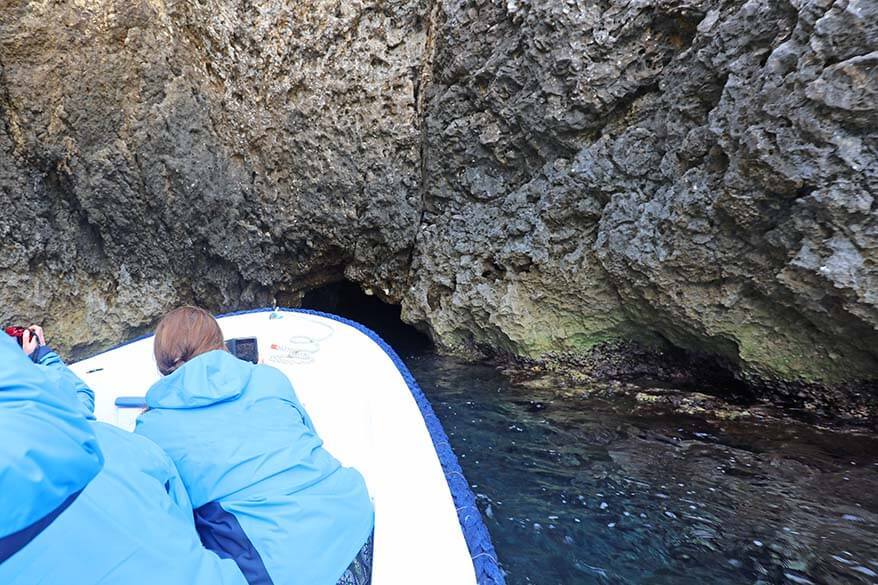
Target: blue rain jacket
<point x="265" y="491"/>
<point x="131" y="525"/>
<point x="48" y="450"/>
<point x="44" y="356"/>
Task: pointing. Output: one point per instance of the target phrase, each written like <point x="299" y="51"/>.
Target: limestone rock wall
<point x="223" y="153"/>
<point x="531" y="177"/>
<point x="701" y="172"/>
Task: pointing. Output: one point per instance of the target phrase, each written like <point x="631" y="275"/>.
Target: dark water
<point x="580" y="487"/>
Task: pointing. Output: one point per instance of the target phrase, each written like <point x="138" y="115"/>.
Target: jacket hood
<point x="213" y="377"/>
<point x="47" y="448"/>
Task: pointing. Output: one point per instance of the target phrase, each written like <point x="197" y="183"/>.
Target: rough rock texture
<point x="530" y="177"/>
<point x="210" y="152"/>
<point x="699" y="172"/>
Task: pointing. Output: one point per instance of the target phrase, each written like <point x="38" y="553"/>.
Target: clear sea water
<point x="585" y="487"/>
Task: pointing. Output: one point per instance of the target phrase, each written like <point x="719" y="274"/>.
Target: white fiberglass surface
<point x="364" y="412"/>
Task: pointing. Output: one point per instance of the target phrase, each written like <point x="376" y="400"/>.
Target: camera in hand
<point x="244" y="348"/>
<point x="17" y="333"/>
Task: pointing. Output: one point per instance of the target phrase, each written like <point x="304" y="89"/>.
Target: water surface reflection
<point x="582" y="487"/>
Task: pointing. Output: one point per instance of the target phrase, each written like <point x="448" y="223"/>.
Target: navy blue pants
<point x="359" y="572"/>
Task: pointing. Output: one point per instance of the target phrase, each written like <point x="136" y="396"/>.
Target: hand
<point x="32" y="338"/>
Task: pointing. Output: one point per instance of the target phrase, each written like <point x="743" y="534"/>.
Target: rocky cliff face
<point x="216" y="153"/>
<point x="532" y="177"/>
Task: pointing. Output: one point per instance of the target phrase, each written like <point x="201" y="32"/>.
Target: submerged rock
<point x="533" y="178"/>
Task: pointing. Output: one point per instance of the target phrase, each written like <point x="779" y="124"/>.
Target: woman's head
<point x="184" y="333"/>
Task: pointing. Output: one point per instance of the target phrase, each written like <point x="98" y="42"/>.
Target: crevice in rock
<point x="712" y="96"/>
<point x="678" y="25"/>
<point x="346" y="299"/>
<point x="672" y="365"/>
<point x="90" y="243"/>
<point x="8" y="112"/>
<point x="419" y="94"/>
<point x="623" y="106"/>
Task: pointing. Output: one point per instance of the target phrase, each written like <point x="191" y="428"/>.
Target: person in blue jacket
<point x="265" y="491"/>
<point x="131" y="524"/>
<point x="48" y="451"/>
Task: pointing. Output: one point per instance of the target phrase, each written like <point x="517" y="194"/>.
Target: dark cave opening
<point x="709" y="374"/>
<point x="348" y="300"/>
<point x="670" y="366"/>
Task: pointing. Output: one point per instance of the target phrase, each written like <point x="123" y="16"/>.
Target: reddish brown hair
<point x="184" y="333"/>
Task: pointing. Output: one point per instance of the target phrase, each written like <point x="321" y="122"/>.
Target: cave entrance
<point x="348" y="300"/>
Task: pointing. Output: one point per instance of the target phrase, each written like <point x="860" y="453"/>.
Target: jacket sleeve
<point x="149" y="460"/>
<point x="174" y="483"/>
<point x="47" y="358"/>
<point x="48" y="450"/>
